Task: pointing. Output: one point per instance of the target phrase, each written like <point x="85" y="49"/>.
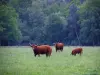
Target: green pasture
<point x="21" y="61"/>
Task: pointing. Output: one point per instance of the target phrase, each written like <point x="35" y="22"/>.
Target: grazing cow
<point x="41" y="49"/>
<point x="77" y="51"/>
<point x="59" y="46"/>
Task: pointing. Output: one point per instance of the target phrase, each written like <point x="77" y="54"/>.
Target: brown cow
<point x="42" y="49"/>
<point x="77" y="51"/>
<point x="59" y="46"/>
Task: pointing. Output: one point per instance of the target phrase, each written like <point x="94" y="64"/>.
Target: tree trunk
<point x="77" y="38"/>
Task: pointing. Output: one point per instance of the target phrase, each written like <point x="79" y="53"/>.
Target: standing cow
<point x="41" y="49"/>
<point x="77" y="51"/>
<point x="59" y="46"/>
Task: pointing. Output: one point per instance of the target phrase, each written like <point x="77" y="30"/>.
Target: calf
<point x="77" y="51"/>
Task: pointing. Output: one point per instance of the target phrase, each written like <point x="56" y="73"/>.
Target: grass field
<point x="21" y="61"/>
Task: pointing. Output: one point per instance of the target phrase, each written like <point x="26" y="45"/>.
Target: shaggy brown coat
<point x="42" y="49"/>
<point x="77" y="51"/>
<point x="59" y="46"/>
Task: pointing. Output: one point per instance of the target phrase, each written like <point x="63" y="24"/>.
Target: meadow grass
<point x="21" y="61"/>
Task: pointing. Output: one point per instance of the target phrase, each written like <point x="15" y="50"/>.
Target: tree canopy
<point x="73" y="22"/>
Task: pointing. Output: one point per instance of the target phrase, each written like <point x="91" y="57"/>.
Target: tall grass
<point x="21" y="61"/>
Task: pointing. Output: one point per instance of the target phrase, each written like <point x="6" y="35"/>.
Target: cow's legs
<point x="80" y="54"/>
<point x="56" y="50"/>
<point x="47" y="54"/>
<point x="35" y="55"/>
<point x="39" y="55"/>
<point x="61" y="50"/>
<point x="74" y="54"/>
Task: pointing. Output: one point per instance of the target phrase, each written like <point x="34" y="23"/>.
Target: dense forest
<point x="73" y="22"/>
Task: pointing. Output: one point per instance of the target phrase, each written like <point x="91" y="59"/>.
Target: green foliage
<point x="93" y="3"/>
<point x="8" y="23"/>
<point x="74" y="22"/>
<point x="55" y="25"/>
<point x="89" y="19"/>
<point x="52" y="9"/>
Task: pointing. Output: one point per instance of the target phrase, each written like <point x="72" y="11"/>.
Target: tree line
<point x="73" y="22"/>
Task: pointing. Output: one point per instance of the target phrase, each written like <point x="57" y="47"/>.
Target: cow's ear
<point x="35" y="46"/>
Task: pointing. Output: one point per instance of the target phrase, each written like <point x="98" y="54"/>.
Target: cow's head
<point x="32" y="45"/>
